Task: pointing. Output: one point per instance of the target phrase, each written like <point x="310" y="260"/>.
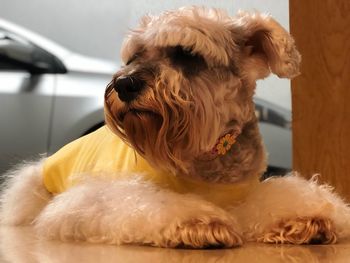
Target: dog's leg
<point x="293" y="210"/>
<point x="23" y="195"/>
<point x="137" y="212"/>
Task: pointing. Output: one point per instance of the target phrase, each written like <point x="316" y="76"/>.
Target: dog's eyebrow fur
<point x="134" y="56"/>
<point x="191" y="63"/>
<point x="184" y="58"/>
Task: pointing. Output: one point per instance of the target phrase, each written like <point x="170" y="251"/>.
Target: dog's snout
<point x="128" y="87"/>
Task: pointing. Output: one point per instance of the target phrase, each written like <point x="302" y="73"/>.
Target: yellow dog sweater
<point x="102" y="152"/>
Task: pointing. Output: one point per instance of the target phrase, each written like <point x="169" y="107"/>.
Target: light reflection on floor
<point x="19" y="245"/>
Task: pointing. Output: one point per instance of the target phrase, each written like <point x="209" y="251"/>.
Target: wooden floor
<point x="19" y="245"/>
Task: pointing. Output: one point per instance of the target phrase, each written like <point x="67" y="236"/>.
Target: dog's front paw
<point x="196" y="233"/>
<point x="301" y="231"/>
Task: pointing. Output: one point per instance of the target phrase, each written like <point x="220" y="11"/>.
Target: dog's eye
<point x="180" y="54"/>
<point x="184" y="58"/>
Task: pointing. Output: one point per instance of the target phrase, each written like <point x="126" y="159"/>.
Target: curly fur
<point x="199" y="66"/>
<point x="23" y="195"/>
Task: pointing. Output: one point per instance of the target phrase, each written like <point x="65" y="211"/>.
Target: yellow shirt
<point x="102" y="152"/>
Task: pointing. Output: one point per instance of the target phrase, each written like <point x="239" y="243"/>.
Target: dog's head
<point x="189" y="78"/>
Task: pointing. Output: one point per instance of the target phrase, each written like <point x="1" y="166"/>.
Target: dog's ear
<point x="267" y="47"/>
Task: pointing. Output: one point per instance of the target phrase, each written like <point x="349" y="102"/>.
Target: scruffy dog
<point x="179" y="161"/>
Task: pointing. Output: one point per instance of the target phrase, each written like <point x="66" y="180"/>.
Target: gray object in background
<point x="97" y="28"/>
<point x="50" y="96"/>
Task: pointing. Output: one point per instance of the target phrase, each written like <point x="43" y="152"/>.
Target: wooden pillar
<point x="321" y="94"/>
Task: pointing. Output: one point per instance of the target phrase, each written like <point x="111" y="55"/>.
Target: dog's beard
<point x="162" y="138"/>
<point x="152" y="128"/>
<point x="168" y="125"/>
<point x="141" y="129"/>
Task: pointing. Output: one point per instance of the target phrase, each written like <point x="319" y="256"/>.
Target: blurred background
<point x="56" y="95"/>
<point x="96" y="28"/>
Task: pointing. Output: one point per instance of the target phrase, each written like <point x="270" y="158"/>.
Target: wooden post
<point x="321" y="94"/>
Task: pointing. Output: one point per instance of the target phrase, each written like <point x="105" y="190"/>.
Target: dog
<point x="179" y="160"/>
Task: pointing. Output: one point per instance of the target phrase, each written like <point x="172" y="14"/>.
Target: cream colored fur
<point x="173" y="123"/>
<point x="23" y="195"/>
<point x="138" y="212"/>
<point x="291" y="197"/>
<point x="135" y="211"/>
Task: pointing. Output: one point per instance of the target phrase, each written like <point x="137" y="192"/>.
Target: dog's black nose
<point x="128" y="87"/>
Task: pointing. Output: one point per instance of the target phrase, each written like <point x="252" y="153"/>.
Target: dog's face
<point x="189" y="78"/>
